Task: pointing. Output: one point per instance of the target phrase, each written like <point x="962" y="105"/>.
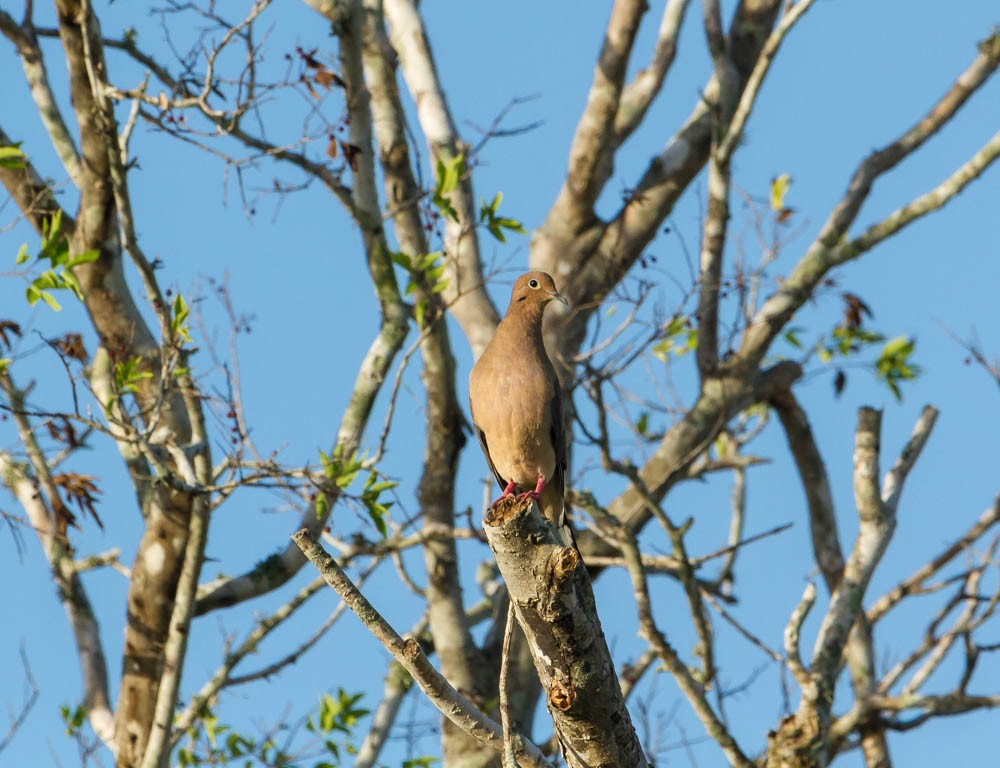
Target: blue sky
<point x="851" y="77"/>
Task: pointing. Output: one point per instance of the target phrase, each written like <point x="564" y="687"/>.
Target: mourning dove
<point x="516" y="405"/>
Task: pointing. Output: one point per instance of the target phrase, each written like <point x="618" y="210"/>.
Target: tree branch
<point x="591" y="154"/>
<point x="689" y="685"/>
<point x="554" y="604"/>
<point x="33" y="63"/>
<point x="915" y="582"/>
<point x="408" y="653"/>
<point x="465" y="294"/>
<point x="58" y="553"/>
<point x="829" y="249"/>
<point x="637" y="96"/>
<point x="792" y="631"/>
<point x="279" y="568"/>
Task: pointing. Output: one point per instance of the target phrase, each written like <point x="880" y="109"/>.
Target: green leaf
<point x="894" y="366"/>
<point x="898" y="347"/>
<point x="792" y="337"/>
<point x="676" y="324"/>
<point x="236" y="745"/>
<point x="512" y="224"/>
<point x="495" y="224"/>
<point x="448" y="174"/>
<point x="642" y="424"/>
<point x="327" y="713"/>
<point x="70" y="281"/>
<point x="342" y="472"/>
<point x="377" y="514"/>
<point x="178" y="320"/>
<point x="126" y="375"/>
<point x="427" y="260"/>
<point x="452" y="171"/>
<point x="22" y="254"/>
<point x="54" y="249"/>
<point x="662" y="349"/>
<point x="49" y="299"/>
<point x="48" y="280"/>
<point x="12" y="157"/>
<point x="84" y="258"/>
<point x="420" y="312"/>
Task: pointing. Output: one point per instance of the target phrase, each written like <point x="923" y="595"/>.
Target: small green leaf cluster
<point x="73" y="719"/>
<point x="342" y="472"/>
<point x="212" y="743"/>
<point x="370" y="498"/>
<point x="337" y="714"/>
<point x="179" y="320"/>
<point x="678" y="337"/>
<point x="127" y="374"/>
<point x="643" y="427"/>
<point x="125" y="379"/>
<point x="847" y="341"/>
<point x="449" y="171"/>
<point x="893" y="364"/>
<point x="425" y="271"/>
<point x="59" y="275"/>
<point x="331" y="727"/>
<point x="494" y="222"/>
<point x="339" y="470"/>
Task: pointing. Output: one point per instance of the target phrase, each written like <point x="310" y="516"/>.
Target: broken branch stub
<point x="554" y="604"/>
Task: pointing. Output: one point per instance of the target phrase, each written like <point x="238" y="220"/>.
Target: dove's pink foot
<point x="507" y="493"/>
<point x="535" y="494"/>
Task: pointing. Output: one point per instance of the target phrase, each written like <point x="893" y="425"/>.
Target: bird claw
<point x="536" y="494"/>
<point x="507" y="493"/>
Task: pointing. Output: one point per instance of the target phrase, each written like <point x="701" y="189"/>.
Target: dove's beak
<point x="559" y="297"/>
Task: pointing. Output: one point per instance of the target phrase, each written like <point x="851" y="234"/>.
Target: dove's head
<point x="534" y="290"/>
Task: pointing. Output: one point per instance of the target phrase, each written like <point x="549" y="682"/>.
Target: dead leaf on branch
<point x="309" y="57"/>
<point x="309" y="86"/>
<point x="854" y="308"/>
<point x="784" y="214"/>
<point x="328" y="79"/>
<point x="62" y="431"/>
<point x="351" y="154"/>
<point x="71" y="346"/>
<point x="81" y="490"/>
<point x="9" y="327"/>
<point x="839" y="382"/>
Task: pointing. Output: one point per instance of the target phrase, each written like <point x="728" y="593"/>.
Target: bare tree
<point x="134" y="380"/>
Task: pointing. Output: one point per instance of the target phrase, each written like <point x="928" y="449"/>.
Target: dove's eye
<point x="533" y="283"/>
